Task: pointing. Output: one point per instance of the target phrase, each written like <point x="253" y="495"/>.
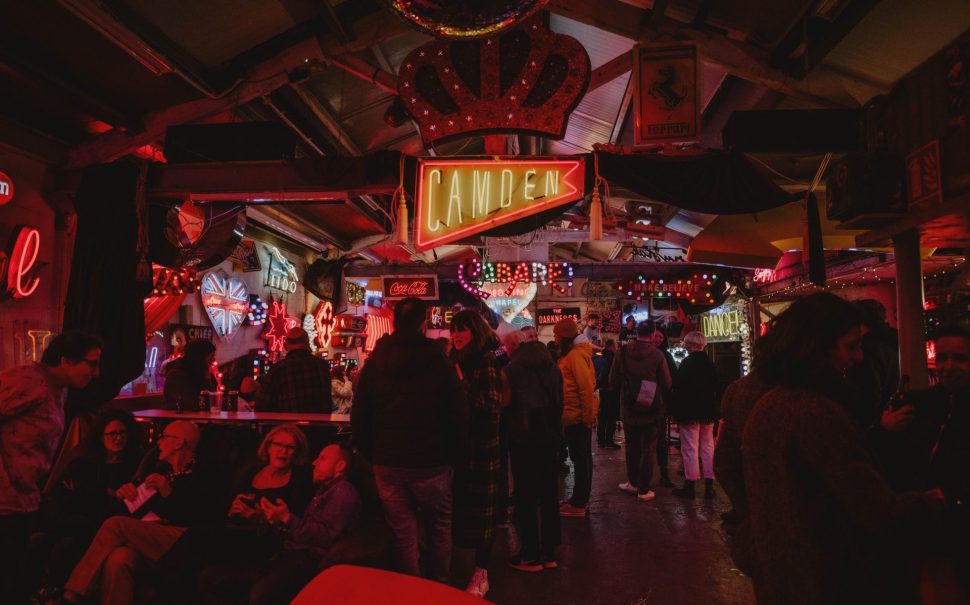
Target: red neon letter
<point x="22" y="259"/>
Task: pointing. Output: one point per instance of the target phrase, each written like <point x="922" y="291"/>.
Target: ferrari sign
<point x="665" y="91"/>
<point x="457" y="198"/>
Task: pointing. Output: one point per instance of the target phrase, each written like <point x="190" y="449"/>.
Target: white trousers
<point x="694" y="436"/>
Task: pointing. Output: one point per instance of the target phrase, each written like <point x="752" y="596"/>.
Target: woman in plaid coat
<point x="477" y="475"/>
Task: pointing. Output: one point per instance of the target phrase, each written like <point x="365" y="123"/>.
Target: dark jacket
<point x="409" y="408"/>
<point x="907" y="457"/>
<point x="876" y="378"/>
<point x="822" y="518"/>
<point x="534" y="414"/>
<point x="80" y="498"/>
<point x="183" y="383"/>
<point x="604" y="363"/>
<point x="300" y="382"/>
<point x="637" y="361"/>
<point x="333" y="510"/>
<point x="695" y="390"/>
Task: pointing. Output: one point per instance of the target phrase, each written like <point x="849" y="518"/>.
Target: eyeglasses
<point x="116" y="434"/>
<point x="283" y="446"/>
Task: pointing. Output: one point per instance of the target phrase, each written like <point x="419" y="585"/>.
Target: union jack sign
<point x="226" y="301"/>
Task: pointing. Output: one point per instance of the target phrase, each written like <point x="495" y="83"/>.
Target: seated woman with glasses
<point x="282" y="474"/>
<point x="86" y="494"/>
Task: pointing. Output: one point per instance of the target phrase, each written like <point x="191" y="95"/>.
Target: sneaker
<point x="647" y="497"/>
<point x="568" y="510"/>
<point x="530" y="565"/>
<point x="549" y="564"/>
<point x="478" y="585"/>
<point x="628" y="488"/>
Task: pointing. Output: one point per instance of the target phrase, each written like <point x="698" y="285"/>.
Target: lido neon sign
<point x="17" y="265"/>
<point x="457" y="198"/>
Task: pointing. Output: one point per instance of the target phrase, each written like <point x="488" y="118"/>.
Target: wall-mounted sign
<point x="356" y="294"/>
<point x="6" y="189"/>
<point x="657" y="255"/>
<point x="374" y="298"/>
<point x="347" y="323"/>
<point x="665" y="89"/>
<point x="457" y="198"/>
<point x="226" y="301"/>
<point x="323" y="319"/>
<point x="174" y="282"/>
<point x="278" y="323"/>
<point x="923" y="177"/>
<point x="18" y="264"/>
<point x="549" y="317"/>
<point x="725" y="326"/>
<point x="697" y="289"/>
<point x="512" y="306"/>
<point x="439" y="318"/>
<point x="281" y="274"/>
<point x="764" y="276"/>
<point x="346" y="341"/>
<point x="377" y="326"/>
<point x="246" y="257"/>
<point x="424" y="287"/>
<point x="474" y="273"/>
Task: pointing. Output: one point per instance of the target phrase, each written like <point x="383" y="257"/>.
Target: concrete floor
<point x="669" y="551"/>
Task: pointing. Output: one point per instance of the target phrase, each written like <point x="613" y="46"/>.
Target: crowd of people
<point x="836" y="497"/>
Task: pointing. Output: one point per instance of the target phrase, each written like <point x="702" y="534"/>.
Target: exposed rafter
<point x="738" y="58"/>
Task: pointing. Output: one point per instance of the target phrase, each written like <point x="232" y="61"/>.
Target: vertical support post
<point x="909" y="308"/>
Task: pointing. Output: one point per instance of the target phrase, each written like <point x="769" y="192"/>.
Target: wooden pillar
<point x="909" y="308"/>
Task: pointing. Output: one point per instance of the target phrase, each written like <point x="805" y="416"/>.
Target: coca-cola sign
<point x="424" y="287"/>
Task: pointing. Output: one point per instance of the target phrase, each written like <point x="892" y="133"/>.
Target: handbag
<point x="642" y="392"/>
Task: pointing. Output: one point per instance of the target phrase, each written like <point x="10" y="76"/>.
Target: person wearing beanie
<point x="579" y="411"/>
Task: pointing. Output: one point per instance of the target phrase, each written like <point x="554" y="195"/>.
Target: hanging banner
<point x="424" y="287"/>
<point x="457" y="198"/>
<point x="665" y="88"/>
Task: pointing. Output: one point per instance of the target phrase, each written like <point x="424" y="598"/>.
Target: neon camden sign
<point x="457" y="198"/>
<point x="18" y="263"/>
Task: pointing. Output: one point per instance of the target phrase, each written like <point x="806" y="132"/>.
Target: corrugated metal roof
<point x="897" y="36"/>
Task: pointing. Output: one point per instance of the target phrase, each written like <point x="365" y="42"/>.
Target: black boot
<point x="685" y="492"/>
<point x="708" y="489"/>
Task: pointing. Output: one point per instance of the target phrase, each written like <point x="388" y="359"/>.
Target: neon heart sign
<point x="226" y="301"/>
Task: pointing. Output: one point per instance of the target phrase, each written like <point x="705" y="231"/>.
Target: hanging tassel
<point x="402" y="217"/>
<point x="402" y="207"/>
<point x="596" y="205"/>
<point x="596" y="215"/>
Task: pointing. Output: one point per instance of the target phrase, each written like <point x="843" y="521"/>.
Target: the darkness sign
<point x="548" y="317"/>
<point x="424" y="287"/>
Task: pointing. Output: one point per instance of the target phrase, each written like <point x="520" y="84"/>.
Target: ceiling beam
<point x="738" y="58"/>
<point x="609" y="71"/>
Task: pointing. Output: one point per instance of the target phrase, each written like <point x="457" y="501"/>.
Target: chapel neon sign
<point x="16" y="268"/>
<point x="475" y="272"/>
<point x="460" y="197"/>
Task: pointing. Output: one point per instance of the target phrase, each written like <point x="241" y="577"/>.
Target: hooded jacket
<point x="409" y="409"/>
<point x="640" y="360"/>
<point x="580" y="403"/>
<point x="695" y="390"/>
<point x="534" y="413"/>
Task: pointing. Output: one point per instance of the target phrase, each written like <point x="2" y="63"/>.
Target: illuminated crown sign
<point x="525" y="79"/>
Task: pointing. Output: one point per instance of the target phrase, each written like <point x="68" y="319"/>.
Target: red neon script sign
<point x="6" y="189"/>
<point x="20" y="262"/>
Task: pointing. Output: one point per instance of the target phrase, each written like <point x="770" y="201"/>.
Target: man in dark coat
<point x="300" y="382"/>
<point x="609" y="398"/>
<point x="409" y="419"/>
<point x="876" y="378"/>
<point x="635" y="363"/>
